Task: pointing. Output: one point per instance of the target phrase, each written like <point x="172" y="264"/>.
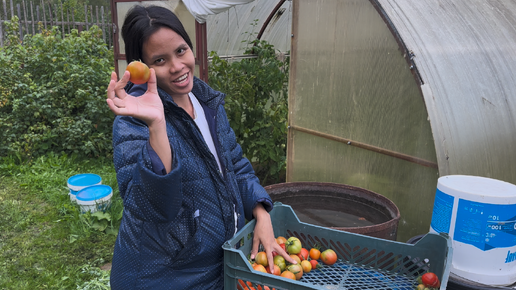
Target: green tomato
<point x="293" y="245"/>
<point x="280" y="262"/>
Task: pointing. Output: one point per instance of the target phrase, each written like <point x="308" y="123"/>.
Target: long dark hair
<point x="141" y="22"/>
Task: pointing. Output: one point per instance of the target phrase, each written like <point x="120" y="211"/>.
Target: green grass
<point x="45" y="242"/>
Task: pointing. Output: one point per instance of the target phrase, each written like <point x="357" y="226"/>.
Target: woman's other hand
<point x="264" y="234"/>
<point x="147" y="107"/>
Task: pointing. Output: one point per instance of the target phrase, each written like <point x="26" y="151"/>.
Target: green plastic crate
<point x="363" y="262"/>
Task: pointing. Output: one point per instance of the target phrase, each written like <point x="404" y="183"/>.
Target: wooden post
<point x="32" y="18"/>
<point x="73" y="17"/>
<point x="103" y="26"/>
<point x="37" y="16"/>
<point x="25" y="17"/>
<point x="86" y="16"/>
<point x="91" y="16"/>
<point x="50" y="16"/>
<point x="5" y="10"/>
<point x="68" y="19"/>
<point x="19" y="21"/>
<point x="12" y="8"/>
<point x="97" y="15"/>
<point x="44" y="17"/>
<point x="1" y="32"/>
<point x="62" y="19"/>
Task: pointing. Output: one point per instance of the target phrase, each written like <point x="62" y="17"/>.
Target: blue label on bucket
<point x="485" y="226"/>
<point x="442" y="214"/>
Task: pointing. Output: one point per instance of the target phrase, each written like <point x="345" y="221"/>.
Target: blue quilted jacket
<point x="174" y="224"/>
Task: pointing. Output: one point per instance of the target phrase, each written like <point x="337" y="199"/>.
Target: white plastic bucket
<point x="479" y="214"/>
<point x="80" y="181"/>
<point x="94" y="198"/>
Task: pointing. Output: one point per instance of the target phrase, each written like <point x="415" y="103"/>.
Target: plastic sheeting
<point x="465" y="54"/>
<point x="349" y="80"/>
<point x="229" y="31"/>
<point x="200" y="9"/>
<point x="389" y="95"/>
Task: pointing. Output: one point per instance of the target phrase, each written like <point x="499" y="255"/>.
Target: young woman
<point x="185" y="185"/>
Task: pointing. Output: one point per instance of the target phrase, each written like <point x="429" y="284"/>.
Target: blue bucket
<point x="94" y="198"/>
<point x="81" y="181"/>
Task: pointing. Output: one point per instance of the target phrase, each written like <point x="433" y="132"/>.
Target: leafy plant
<point x="256" y="103"/>
<point x="101" y="221"/>
<point x="52" y="93"/>
<point x="100" y="279"/>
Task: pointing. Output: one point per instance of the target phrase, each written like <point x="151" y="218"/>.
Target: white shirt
<point x="200" y="120"/>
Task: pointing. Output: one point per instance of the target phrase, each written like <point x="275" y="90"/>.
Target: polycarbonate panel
<point x="350" y="79"/>
<point x="410" y="186"/>
<point x="229" y="31"/>
<point x="465" y="52"/>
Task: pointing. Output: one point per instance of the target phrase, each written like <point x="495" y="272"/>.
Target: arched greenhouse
<point x="389" y="95"/>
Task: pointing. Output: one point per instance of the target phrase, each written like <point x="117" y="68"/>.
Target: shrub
<point x="52" y="93"/>
<point x="256" y="103"/>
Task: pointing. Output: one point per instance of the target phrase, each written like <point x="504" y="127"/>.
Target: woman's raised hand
<point x="147" y="107"/>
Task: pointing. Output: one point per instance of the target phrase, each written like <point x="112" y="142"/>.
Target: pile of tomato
<point x="428" y="281"/>
<point x="307" y="260"/>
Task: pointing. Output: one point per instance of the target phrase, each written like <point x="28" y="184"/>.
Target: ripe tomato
<point x="244" y="285"/>
<point x="303" y="255"/>
<point x="260" y="268"/>
<point x="241" y="284"/>
<point x="297" y="270"/>
<point x="329" y="257"/>
<point x="281" y="240"/>
<point x="277" y="270"/>
<point x="315" y="254"/>
<point x="296" y="258"/>
<point x="293" y="245"/>
<point x="284" y="247"/>
<point x="288" y="274"/>
<point x="140" y="72"/>
<point x="280" y="262"/>
<point x="306" y="265"/>
<point x="261" y="258"/>
<point x="430" y="280"/>
<point x="315" y="264"/>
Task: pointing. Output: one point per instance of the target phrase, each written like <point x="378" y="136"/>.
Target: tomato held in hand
<point x="329" y="257"/>
<point x="140" y="72"/>
<point x="430" y="280"/>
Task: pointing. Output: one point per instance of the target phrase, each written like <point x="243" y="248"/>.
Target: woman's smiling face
<point x="173" y="60"/>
